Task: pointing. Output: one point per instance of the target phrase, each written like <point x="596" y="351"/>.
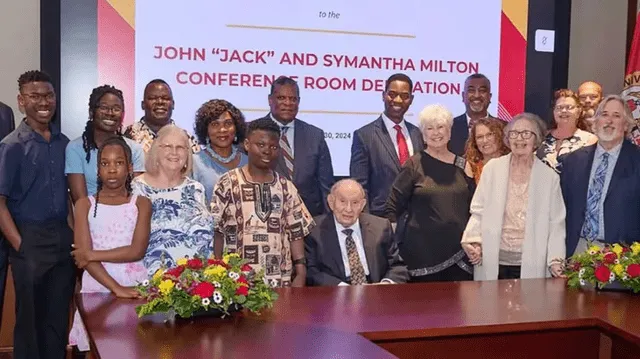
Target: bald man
<point x="590" y="94"/>
<point x="348" y="247"/>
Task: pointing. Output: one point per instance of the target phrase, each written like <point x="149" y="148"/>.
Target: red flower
<point x="633" y="270"/>
<point x="610" y="258"/>
<point x="243" y="280"/>
<point x="194" y="263"/>
<point x="242" y="290"/>
<point x="625" y="249"/>
<point x="174" y="272"/>
<point x="204" y="290"/>
<point x="217" y="262"/>
<point x="576" y="266"/>
<point x="245" y="268"/>
<point x="602" y="273"/>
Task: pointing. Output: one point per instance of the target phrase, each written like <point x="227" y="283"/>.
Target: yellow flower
<point x="228" y="257"/>
<point x="618" y="269"/>
<point x="166" y="286"/>
<point x="158" y="274"/>
<point x="214" y="271"/>
<point x="635" y="248"/>
<point x="617" y="249"/>
<point x="182" y="261"/>
<point x="594" y="250"/>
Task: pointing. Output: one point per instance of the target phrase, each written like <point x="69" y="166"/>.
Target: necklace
<point x="214" y="154"/>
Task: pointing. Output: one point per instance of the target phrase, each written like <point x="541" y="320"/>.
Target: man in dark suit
<point x="304" y="155"/>
<point x="351" y="247"/>
<point x="476" y="97"/>
<point x="7" y="122"/>
<point x="601" y="183"/>
<point x="381" y="147"/>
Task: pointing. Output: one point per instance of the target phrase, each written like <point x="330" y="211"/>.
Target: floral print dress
<point x="181" y="225"/>
<point x="552" y="157"/>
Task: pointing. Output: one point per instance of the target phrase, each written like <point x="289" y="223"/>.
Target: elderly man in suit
<point x="304" y="156"/>
<point x="380" y="148"/>
<point x="601" y="183"/>
<point x="476" y="97"/>
<point x="348" y="247"/>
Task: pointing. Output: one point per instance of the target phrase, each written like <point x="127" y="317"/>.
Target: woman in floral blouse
<point x="568" y="130"/>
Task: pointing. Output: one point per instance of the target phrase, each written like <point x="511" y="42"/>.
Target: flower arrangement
<point x="205" y="285"/>
<point x="602" y="266"/>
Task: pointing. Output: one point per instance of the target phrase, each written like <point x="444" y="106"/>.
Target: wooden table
<point x="494" y="319"/>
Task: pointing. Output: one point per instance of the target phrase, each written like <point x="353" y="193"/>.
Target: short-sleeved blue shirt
<point x="76" y="162"/>
<point x="33" y="179"/>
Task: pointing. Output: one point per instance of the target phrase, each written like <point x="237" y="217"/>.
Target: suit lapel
<point x="332" y="246"/>
<point x="299" y="152"/>
<point x="369" y="243"/>
<point x="383" y="136"/>
<point x="582" y="179"/>
<point x="620" y="171"/>
<point x="416" y="138"/>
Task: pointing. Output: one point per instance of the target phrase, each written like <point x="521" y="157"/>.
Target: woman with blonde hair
<point x="485" y="143"/>
<point x="434" y="187"/>
<point x="181" y="225"/>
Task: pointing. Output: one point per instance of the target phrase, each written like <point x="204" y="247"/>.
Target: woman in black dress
<point x="434" y="188"/>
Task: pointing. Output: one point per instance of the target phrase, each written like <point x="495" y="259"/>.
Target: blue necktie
<point x="591" y="226"/>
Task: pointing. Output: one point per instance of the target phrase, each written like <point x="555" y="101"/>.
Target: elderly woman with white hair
<point x="434" y="188"/>
<point x="181" y="225"/>
<point x="517" y="224"/>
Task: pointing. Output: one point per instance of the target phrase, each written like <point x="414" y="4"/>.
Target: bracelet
<point x="302" y="261"/>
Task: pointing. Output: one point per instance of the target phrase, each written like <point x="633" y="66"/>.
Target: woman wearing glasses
<point x="485" y="143"/>
<point x="517" y="224"/>
<point x="106" y="111"/>
<point x="181" y="225"/>
<point x="568" y="130"/>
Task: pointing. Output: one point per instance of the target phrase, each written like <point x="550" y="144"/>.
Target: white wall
<point x="598" y="43"/>
<point x="19" y="45"/>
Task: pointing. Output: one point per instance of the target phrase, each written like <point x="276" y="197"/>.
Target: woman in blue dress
<point x="181" y="225"/>
<point x="220" y="128"/>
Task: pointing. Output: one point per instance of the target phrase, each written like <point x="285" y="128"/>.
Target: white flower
<point x="582" y="282"/>
<point x="234" y="275"/>
<point x="196" y="275"/>
<point x="206" y="301"/>
<point x="217" y="285"/>
<point x="581" y="273"/>
<point x="145" y="282"/>
<point x="612" y="277"/>
<point x="217" y="297"/>
<point x="625" y="277"/>
<point x="617" y="261"/>
<point x="178" y="286"/>
<point x="274" y="283"/>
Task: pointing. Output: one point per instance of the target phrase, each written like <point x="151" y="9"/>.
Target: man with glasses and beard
<point x="158" y="107"/>
<point x="476" y="97"/>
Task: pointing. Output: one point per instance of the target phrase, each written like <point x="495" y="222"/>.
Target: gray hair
<point x="628" y="115"/>
<point x="539" y="127"/>
<point x="151" y="160"/>
<point x="434" y="114"/>
<point x="345" y="181"/>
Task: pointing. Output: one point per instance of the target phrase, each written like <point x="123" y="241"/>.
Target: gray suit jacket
<point x="312" y="167"/>
<point x="324" y="257"/>
<point x="7" y="123"/>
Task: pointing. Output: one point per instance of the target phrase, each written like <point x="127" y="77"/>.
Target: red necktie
<point x="403" y="149"/>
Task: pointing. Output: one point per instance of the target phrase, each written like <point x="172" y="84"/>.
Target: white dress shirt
<point x="469" y="121"/>
<point x="290" y="132"/>
<point x="393" y="134"/>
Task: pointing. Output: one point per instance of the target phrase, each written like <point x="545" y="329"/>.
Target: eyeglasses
<point x="37" y="97"/>
<point x="488" y="137"/>
<point x="107" y="109"/>
<point x="525" y="135"/>
<point x="172" y="148"/>
<point x="565" y="107"/>
<point x="404" y="96"/>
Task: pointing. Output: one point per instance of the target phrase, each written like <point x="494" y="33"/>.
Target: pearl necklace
<point x="214" y="154"/>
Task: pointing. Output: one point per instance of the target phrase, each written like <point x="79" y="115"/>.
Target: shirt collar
<point x="469" y="117"/>
<point x="289" y="125"/>
<point x="340" y="227"/>
<point x="144" y="127"/>
<point x="26" y="133"/>
<point x="390" y="124"/>
<point x="613" y="153"/>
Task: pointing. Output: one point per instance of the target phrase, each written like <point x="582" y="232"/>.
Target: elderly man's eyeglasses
<point x="525" y="135"/>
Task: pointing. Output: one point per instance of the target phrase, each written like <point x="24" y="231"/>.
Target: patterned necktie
<point x="358" y="275"/>
<point x="591" y="226"/>
<point x="287" y="153"/>
<point x="403" y="149"/>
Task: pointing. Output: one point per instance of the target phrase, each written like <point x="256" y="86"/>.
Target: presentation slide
<point x="340" y="52"/>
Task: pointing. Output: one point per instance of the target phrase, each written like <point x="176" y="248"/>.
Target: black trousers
<point x="4" y="266"/>
<point x="43" y="274"/>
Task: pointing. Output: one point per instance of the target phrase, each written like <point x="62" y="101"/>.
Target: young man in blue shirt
<point x="33" y="219"/>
